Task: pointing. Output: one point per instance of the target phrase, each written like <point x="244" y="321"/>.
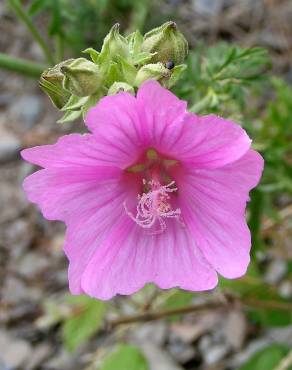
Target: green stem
<point x="21" y="13"/>
<point x="22" y="66"/>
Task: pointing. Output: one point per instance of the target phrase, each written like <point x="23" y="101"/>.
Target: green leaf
<point x="177" y="298"/>
<point x="125" y="357"/>
<point x="36" y="6"/>
<point x="267" y="358"/>
<point x="86" y="318"/>
<point x="55" y="26"/>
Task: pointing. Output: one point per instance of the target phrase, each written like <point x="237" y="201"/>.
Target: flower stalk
<point x="22" y="14"/>
<point x="19" y="65"/>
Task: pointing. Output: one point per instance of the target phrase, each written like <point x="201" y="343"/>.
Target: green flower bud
<point x="51" y="82"/>
<point x="114" y="44"/>
<point x="167" y="42"/>
<point x="82" y="77"/>
<point x="117" y="87"/>
<point x="155" y="71"/>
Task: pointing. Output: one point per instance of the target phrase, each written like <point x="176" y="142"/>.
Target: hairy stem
<point x="22" y="14"/>
<point x="22" y="66"/>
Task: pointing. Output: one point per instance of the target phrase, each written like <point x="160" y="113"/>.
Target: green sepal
<point x="92" y="101"/>
<point x="82" y="77"/>
<point x="94" y="54"/>
<point x="69" y="116"/>
<point x="120" y="87"/>
<point x="129" y="72"/>
<point x="176" y="73"/>
<point x="155" y="71"/>
<point x="75" y="103"/>
<point x="114" y="44"/>
<point x="113" y="74"/>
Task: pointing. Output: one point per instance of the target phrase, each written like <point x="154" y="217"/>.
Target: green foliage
<point x="274" y="137"/>
<point x="217" y="77"/>
<point x="252" y="286"/>
<point x="267" y="358"/>
<point x="178" y="298"/>
<point x="85" y="319"/>
<point x="125" y="357"/>
<point x="85" y="23"/>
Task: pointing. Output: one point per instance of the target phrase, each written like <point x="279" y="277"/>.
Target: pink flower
<point x="153" y="194"/>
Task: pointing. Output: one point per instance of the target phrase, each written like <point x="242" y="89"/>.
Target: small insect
<point x="169" y="64"/>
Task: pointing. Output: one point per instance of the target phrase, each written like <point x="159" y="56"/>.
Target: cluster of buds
<point x="123" y="64"/>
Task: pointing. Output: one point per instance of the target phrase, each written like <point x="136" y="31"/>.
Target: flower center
<point x="154" y="204"/>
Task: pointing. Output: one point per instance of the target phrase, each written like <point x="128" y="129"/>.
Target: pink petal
<point x="70" y="150"/>
<point x="130" y="257"/>
<point x="213" y="206"/>
<point x="209" y="142"/>
<point x="117" y="126"/>
<point x="161" y="112"/>
<point x="64" y="193"/>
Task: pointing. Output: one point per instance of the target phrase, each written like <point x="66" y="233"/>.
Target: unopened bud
<point x="155" y="71"/>
<point x="114" y="44"/>
<point x="51" y="82"/>
<point x="82" y="77"/>
<point x="117" y="87"/>
<point x="167" y="42"/>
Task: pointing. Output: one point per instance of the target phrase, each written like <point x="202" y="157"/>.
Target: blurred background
<point x="41" y="326"/>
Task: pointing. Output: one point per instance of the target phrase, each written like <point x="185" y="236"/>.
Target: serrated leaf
<point x="267" y="358"/>
<point x="86" y="319"/>
<point x="125" y="357"/>
<point x="69" y="116"/>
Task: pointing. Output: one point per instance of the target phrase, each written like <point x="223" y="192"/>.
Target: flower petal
<point x="130" y="257"/>
<point x="117" y="126"/>
<point x="213" y="207"/>
<point x="209" y="142"/>
<point x="65" y="193"/>
<point x="69" y="150"/>
<point x="161" y="112"/>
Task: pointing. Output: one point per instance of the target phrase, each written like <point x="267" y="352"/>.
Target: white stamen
<point x="154" y="206"/>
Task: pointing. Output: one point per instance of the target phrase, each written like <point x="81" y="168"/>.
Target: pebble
<point x="215" y="353"/>
<point x="27" y="109"/>
<point x="208" y="7"/>
<point x="14" y="352"/>
<point x="276" y="271"/>
<point x="158" y="359"/>
<point x="235" y="329"/>
<point x="154" y="332"/>
<point x="10" y="146"/>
